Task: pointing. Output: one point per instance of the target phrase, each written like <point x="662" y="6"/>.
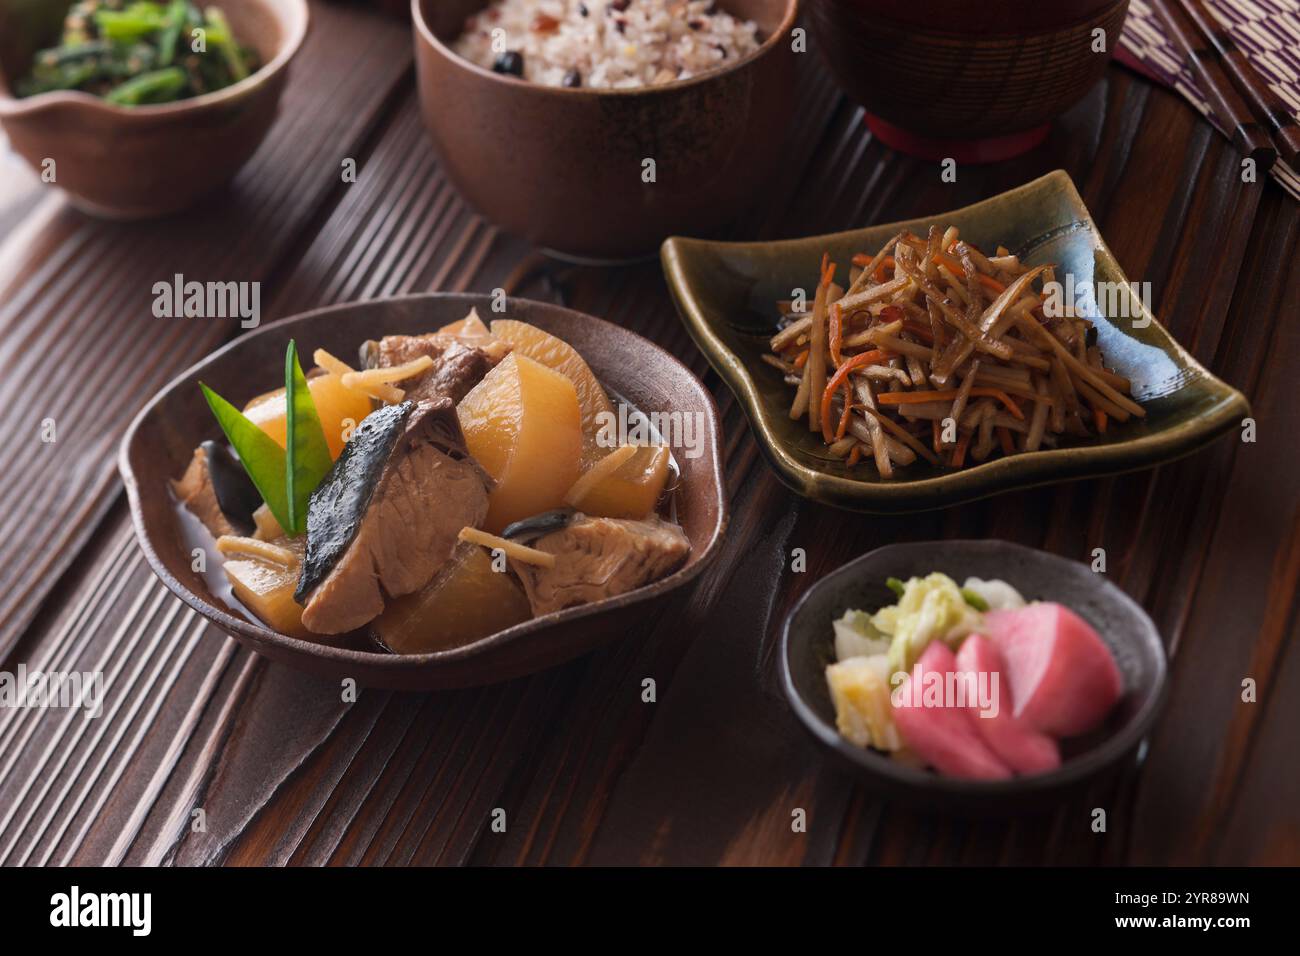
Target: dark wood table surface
<point x="585" y="771"/>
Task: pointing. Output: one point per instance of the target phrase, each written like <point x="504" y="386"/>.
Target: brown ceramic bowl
<point x="973" y="81"/>
<point x="159" y="443"/>
<point x="562" y="167"/>
<point x="142" y="161"/>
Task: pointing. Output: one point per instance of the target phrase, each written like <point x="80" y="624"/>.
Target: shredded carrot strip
<point x="955" y="267"/>
<point x="913" y="398"/>
<point x="959" y="453"/>
<point x="934" y="435"/>
<point x="843" y="426"/>
<point x="837" y="334"/>
<point x="1101" y="419"/>
<point x="840" y="378"/>
<point x="828" y="269"/>
<point x="801" y="359"/>
<point x="1004" y="436"/>
<point x="855" y="455"/>
<point x="942" y="259"/>
<point x="862" y="260"/>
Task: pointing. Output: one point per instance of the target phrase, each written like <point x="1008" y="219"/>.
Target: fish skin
<point x="339" y="503"/>
<point x="428" y="489"/>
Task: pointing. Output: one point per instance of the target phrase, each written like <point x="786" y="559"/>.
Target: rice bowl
<point x="605" y="174"/>
<point x="605" y="44"/>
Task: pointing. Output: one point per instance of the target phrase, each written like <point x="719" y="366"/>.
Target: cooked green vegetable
<point x="974" y="599"/>
<point x="136" y="22"/>
<point x="158" y="86"/>
<point x="307" y="454"/>
<point x="140" y="52"/>
<point x="261" y="457"/>
<point x="284" y="477"/>
<point x="171" y="32"/>
<point x="220" y="36"/>
<point x="895" y="585"/>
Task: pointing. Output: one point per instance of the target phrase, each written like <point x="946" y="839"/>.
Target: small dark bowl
<point x="143" y="161"/>
<point x="977" y="82"/>
<point x="562" y="167"/>
<point x="808" y="646"/>
<point x="160" y="441"/>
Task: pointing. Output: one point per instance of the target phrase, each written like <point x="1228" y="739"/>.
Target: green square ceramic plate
<point x="727" y="292"/>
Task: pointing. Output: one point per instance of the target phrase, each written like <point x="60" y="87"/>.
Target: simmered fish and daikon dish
<point x="933" y="350"/>
<point x="443" y="488"/>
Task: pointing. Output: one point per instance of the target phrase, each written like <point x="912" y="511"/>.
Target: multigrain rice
<point x="605" y="44"/>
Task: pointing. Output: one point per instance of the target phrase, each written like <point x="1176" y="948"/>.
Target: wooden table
<point x="585" y="771"/>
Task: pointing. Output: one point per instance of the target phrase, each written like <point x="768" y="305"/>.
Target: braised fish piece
<point x="217" y="490"/>
<point x="456" y="367"/>
<point x="598" y="558"/>
<point x="384" y="520"/>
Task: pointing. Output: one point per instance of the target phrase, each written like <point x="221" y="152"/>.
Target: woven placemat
<point x="1267" y="30"/>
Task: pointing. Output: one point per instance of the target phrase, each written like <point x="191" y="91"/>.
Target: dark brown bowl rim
<point x="873" y="764"/>
<point x="423" y="33"/>
<point x="12" y="106"/>
<point x="240" y="627"/>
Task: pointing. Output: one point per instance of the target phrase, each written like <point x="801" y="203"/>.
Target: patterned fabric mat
<point x="1267" y="30"/>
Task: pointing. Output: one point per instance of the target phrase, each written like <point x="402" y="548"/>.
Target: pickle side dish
<point x="137" y="53"/>
<point x="973" y="681"/>
<point x="449" y="487"/>
<point x="934" y="350"/>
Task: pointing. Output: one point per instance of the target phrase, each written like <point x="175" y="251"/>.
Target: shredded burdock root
<point x="940" y="352"/>
<point x="511" y="549"/>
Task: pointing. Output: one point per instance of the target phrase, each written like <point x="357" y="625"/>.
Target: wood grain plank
<point x="1239" y="615"/>
<point x="73" y="280"/>
<point x="397" y="229"/>
<point x="76" y="306"/>
<point x="711" y="772"/>
<point x="707" y="778"/>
